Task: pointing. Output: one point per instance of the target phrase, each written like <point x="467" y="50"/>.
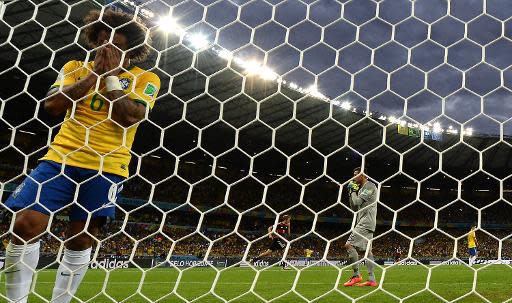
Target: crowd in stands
<point x="146" y="238"/>
<point x="181" y="230"/>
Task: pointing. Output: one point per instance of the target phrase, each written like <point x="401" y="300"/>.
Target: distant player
<point x="398" y="254"/>
<point x="283" y="229"/>
<point x="100" y="121"/>
<point x="308" y="252"/>
<point x="363" y="200"/>
<point x="472" y="246"/>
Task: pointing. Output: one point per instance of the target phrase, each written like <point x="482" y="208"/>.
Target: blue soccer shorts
<point x="473" y="251"/>
<point x="96" y="193"/>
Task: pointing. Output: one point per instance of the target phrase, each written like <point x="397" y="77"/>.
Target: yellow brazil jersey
<point x="87" y="135"/>
<point x="471" y="239"/>
<point x="309" y="252"/>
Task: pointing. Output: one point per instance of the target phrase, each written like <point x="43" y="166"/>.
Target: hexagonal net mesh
<point x="151" y="150"/>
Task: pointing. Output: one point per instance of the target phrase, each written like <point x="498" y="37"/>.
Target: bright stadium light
<point x="198" y="41"/>
<point x="313" y="91"/>
<point x="468" y="131"/>
<point x="225" y="54"/>
<point x="255" y="68"/>
<point x="392" y="119"/>
<point x="267" y="74"/>
<point x="437" y="128"/>
<point x="252" y="67"/>
<point x="170" y="24"/>
<point x="346" y="105"/>
<point x="293" y="85"/>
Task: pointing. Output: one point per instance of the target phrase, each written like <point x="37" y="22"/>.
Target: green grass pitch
<point x="449" y="281"/>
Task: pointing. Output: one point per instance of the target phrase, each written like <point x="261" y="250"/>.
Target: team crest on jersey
<point x="125" y="83"/>
<point x="150" y="89"/>
<point x="367" y="192"/>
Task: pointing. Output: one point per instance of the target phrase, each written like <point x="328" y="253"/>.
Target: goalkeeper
<point x="363" y="200"/>
<point x="88" y="159"/>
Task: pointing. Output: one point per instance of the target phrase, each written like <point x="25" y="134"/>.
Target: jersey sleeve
<point x="369" y="194"/>
<point x="146" y="89"/>
<point x="68" y="74"/>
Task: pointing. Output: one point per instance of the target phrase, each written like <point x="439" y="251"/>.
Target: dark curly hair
<point x="132" y="28"/>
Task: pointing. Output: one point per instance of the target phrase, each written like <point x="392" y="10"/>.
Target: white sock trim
<point x="17" y="250"/>
<point x="77" y="257"/>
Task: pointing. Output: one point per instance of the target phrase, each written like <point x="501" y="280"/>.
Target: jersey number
<point x="97" y="103"/>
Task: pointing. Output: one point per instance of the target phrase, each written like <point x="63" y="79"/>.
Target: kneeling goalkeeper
<point x="363" y="200"/>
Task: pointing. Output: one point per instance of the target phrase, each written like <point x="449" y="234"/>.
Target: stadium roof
<point x="228" y="93"/>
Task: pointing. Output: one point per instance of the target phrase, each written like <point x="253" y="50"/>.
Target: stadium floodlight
<point x="225" y="54"/>
<point x="468" y="131"/>
<point x="251" y="67"/>
<point x="313" y="91"/>
<point x="437" y="128"/>
<point x="198" y="41"/>
<point x="255" y="68"/>
<point x="392" y="119"/>
<point x="293" y="85"/>
<point x="267" y="73"/>
<point x="170" y="25"/>
<point x="346" y="105"/>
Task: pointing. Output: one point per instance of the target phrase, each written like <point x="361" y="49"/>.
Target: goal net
<point x="244" y="112"/>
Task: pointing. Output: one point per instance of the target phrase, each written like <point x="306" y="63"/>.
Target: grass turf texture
<point x="450" y="282"/>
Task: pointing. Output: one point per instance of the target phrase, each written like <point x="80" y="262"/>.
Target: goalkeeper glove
<point x="353" y="187"/>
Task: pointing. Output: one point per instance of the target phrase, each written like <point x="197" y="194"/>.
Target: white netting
<point x="265" y="108"/>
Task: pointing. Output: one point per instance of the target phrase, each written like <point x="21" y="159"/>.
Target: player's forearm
<point x="60" y="101"/>
<point x="125" y="111"/>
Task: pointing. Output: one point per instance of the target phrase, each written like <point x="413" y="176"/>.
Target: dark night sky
<point x="416" y="58"/>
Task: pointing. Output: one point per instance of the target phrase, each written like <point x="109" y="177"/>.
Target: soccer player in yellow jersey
<point x="88" y="160"/>
<point x="308" y="252"/>
<point x="472" y="246"/>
